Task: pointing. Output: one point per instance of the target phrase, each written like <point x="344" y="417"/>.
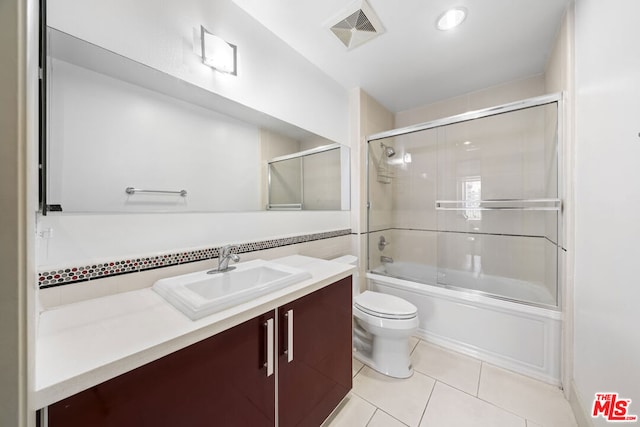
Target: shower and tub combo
<point x="465" y="223"/>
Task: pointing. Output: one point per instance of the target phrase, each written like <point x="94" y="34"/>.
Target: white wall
<point x="607" y="291"/>
<point x="92" y="238"/>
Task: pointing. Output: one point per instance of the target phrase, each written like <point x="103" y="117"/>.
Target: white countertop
<point x="86" y="343"/>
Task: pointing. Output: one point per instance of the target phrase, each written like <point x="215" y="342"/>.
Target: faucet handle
<point x="224" y="255"/>
<point x="226" y="250"/>
<point x="382" y="243"/>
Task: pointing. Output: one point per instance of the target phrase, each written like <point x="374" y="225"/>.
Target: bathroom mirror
<point x="125" y="137"/>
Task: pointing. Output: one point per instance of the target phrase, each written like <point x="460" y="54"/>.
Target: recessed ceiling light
<point x="451" y="18"/>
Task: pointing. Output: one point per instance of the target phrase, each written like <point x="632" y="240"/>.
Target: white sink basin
<point x="200" y="294"/>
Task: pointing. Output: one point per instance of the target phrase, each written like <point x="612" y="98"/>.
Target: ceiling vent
<point x="359" y="26"/>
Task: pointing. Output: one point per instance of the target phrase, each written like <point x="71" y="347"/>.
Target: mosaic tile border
<point x="93" y="271"/>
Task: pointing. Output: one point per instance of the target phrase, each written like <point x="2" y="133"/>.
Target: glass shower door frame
<point x="537" y="204"/>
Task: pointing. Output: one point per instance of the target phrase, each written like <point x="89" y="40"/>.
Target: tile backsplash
<point x="69" y="274"/>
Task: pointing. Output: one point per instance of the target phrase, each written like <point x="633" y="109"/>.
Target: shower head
<point x="388" y="151"/>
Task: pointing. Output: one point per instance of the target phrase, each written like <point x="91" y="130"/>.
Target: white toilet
<point x="382" y="327"/>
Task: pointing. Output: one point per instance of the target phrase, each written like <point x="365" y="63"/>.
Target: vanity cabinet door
<point x="220" y="381"/>
<point x="314" y="365"/>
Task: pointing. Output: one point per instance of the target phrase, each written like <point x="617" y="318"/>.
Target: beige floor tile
<point x="353" y="412"/>
<point x="413" y="342"/>
<point x="449" y="407"/>
<point x="382" y="419"/>
<point x="356" y="365"/>
<point x="534" y="400"/>
<point x="455" y="369"/>
<point x="404" y="399"/>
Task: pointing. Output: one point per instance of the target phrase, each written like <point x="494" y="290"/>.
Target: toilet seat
<point x="385" y="306"/>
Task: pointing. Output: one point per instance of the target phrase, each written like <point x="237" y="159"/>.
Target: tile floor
<point x="449" y="389"/>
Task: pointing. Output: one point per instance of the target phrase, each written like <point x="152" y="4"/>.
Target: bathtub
<point x="504" y="287"/>
<point x="515" y="336"/>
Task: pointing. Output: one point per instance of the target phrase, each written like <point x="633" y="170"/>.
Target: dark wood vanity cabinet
<point x="224" y="380"/>
<point x="315" y="378"/>
<point x="217" y="381"/>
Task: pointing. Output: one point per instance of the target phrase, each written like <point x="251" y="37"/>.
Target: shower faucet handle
<point x="382" y="243"/>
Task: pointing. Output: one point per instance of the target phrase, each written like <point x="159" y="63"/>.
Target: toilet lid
<point x="385" y="305"/>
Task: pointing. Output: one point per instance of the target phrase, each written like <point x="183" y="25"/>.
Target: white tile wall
<point x="414" y="246"/>
<point x="414" y="188"/>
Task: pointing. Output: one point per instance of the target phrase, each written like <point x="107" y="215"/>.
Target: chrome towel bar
<point x="132" y="190"/>
<point x="285" y="206"/>
<point x="507" y="204"/>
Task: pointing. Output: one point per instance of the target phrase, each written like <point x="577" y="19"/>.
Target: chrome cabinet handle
<point x="289" y="350"/>
<point x="269" y="363"/>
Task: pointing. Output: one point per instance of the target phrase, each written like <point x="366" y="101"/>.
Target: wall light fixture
<point x="217" y="53"/>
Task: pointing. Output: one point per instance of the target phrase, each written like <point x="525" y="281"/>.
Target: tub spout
<point x="386" y="259"/>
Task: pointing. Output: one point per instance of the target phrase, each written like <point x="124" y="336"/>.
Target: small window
<point x="472" y="194"/>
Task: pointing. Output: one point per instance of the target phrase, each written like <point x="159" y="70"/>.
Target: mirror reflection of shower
<point x="384" y="169"/>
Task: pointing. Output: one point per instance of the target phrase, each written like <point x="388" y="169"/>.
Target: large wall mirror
<point x="124" y="137"/>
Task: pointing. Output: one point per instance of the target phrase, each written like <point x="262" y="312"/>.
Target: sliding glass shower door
<point x="471" y="204"/>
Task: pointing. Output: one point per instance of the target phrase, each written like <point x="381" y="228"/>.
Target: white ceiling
<point x="412" y="63"/>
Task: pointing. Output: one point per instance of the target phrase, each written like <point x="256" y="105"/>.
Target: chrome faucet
<point x="386" y="259"/>
<point x="224" y="256"/>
